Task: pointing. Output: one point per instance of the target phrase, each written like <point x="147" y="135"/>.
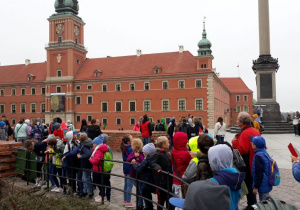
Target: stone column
<point x="264" y="27"/>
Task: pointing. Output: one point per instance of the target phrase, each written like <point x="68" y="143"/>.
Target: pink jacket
<point x="99" y="154"/>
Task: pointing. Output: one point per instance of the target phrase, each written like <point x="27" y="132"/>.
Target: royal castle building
<point x="117" y="90"/>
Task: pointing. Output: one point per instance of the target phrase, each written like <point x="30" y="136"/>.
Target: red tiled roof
<point x="236" y="85"/>
<point x="133" y="66"/>
<point x="18" y="73"/>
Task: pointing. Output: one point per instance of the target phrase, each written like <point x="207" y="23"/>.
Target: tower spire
<point x="204" y="44"/>
<point x="204" y="31"/>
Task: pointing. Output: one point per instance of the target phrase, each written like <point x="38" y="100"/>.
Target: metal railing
<point x="101" y="185"/>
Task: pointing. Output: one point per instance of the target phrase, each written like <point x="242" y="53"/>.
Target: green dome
<point x="204" y="44"/>
<point x="63" y="6"/>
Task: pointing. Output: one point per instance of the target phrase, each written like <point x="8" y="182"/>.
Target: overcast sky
<point x="119" y="27"/>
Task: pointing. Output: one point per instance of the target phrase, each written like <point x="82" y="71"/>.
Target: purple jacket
<point x="138" y="160"/>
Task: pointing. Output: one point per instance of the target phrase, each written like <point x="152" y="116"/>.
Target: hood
<point x="103" y="148"/>
<point x="220" y="157"/>
<point x="88" y="143"/>
<point x="105" y="138"/>
<point x="230" y="177"/>
<point x="255" y="116"/>
<point x="64" y="126"/>
<point x="193" y="144"/>
<point x="162" y="120"/>
<point x="180" y="140"/>
<point x="69" y="135"/>
<point x="98" y="140"/>
<point x="60" y="144"/>
<point x="258" y="141"/>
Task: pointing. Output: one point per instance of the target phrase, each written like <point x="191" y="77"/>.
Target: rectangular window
<point x="89" y="87"/>
<point x="59" y="39"/>
<point x="2" y="92"/>
<point x="165" y="105"/>
<point x="43" y="108"/>
<point x="13" y="92"/>
<point x="13" y="108"/>
<point x="23" y="91"/>
<point x="2" y="108"/>
<point x="165" y="85"/>
<point x="181" y="105"/>
<point x="90" y="100"/>
<point x="32" y="91"/>
<point x="118" y="87"/>
<point x="147" y="106"/>
<point x="78" y="100"/>
<point x="104" y="106"/>
<point x="199" y="104"/>
<point x="181" y="84"/>
<point x="132" y="86"/>
<point x="238" y="109"/>
<point x="104" y="88"/>
<point x="237" y="98"/>
<point x="246" y="109"/>
<point x="78" y="87"/>
<point x="132" y="106"/>
<point x="90" y="117"/>
<point x="13" y="121"/>
<point x="198" y="83"/>
<point x="23" y="108"/>
<point x="118" y="121"/>
<point x="104" y="121"/>
<point x="147" y="85"/>
<point x="58" y="73"/>
<point x="78" y="118"/>
<point x="132" y="121"/>
<point x="58" y="89"/>
<point x="245" y="98"/>
<point x="43" y="90"/>
<point x="118" y="106"/>
<point x="33" y="107"/>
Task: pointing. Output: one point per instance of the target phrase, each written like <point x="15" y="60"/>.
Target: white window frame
<point x="89" y="85"/>
<point x="42" y="91"/>
<point x="13" y="89"/>
<point x="245" y="96"/>
<point x="11" y="108"/>
<point x="24" y="91"/>
<point x="236" y="108"/>
<point x="102" y="102"/>
<point x="87" y="99"/>
<point x="76" y="99"/>
<point x="131" y="119"/>
<point x="181" y="99"/>
<point x="134" y="105"/>
<point x="31" y="107"/>
<point x="42" y="106"/>
<point x="89" y="116"/>
<point x="120" y="87"/>
<point x="103" y="88"/>
<point x="145" y="85"/>
<point x="196" y="99"/>
<point x="33" y="88"/>
<point x="132" y="83"/>
<point x="104" y="118"/>
<point x="77" y="118"/>
<point x="196" y="83"/>
<point x="179" y="84"/>
<point x="21" y="108"/>
<point x="3" y="108"/>
<point x="147" y="100"/>
<point x="247" y="108"/>
<point x="162" y="105"/>
<point x="163" y="84"/>
<point x="116" y="106"/>
<point x="2" y="90"/>
<point x="238" y="97"/>
<point x="78" y="87"/>
<point x="118" y="118"/>
<point x="13" y="121"/>
<point x="59" y="72"/>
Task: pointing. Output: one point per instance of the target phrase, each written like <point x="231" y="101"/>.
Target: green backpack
<point x="108" y="165"/>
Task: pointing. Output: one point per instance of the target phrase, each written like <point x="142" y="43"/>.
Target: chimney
<point x="181" y="49"/>
<point x="27" y="62"/>
<point x="138" y="53"/>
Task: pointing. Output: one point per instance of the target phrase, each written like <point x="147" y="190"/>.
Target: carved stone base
<point x="271" y="112"/>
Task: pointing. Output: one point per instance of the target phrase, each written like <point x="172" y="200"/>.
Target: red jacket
<point x="243" y="144"/>
<point x="59" y="133"/>
<point x="99" y="154"/>
<point x="145" y="129"/>
<point x="180" y="155"/>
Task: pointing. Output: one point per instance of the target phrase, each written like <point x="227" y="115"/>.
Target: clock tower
<point x="65" y="54"/>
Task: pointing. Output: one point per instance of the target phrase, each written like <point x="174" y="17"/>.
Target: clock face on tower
<point x="76" y="30"/>
<point x="60" y="28"/>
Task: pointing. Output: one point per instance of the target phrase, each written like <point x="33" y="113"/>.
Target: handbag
<point x="184" y="187"/>
<point x="238" y="160"/>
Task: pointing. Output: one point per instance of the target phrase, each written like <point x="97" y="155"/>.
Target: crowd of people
<point x="188" y="152"/>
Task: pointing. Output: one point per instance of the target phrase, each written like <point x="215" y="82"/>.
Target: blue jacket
<point x="126" y="167"/>
<point x="296" y="171"/>
<point x="233" y="179"/>
<point x="261" y="171"/>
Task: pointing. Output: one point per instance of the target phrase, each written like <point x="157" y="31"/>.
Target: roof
<point x="134" y="66"/>
<point x="15" y="74"/>
<point x="236" y="85"/>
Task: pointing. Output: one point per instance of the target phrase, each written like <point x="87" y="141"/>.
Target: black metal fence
<point x="47" y="174"/>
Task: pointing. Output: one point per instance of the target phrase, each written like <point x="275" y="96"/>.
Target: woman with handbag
<point x="220" y="130"/>
<point x="21" y="130"/>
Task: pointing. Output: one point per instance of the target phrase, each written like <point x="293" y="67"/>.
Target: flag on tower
<point x="238" y="65"/>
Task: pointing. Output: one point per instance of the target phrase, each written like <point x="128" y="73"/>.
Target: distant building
<point x="117" y="90"/>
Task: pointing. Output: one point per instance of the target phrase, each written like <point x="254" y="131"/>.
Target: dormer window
<point x="98" y="73"/>
<point x="30" y="77"/>
<point x="157" y="69"/>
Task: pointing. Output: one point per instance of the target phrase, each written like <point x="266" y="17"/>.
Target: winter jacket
<point x="37" y="132"/>
<point x="256" y="122"/>
<point x="162" y="158"/>
<point x="125" y="154"/>
<point x="144" y="172"/>
<point x="261" y="171"/>
<point x="180" y="156"/>
<point x="59" y="133"/>
<point x="171" y="128"/>
<point x="233" y="179"/>
<point x="93" y="131"/>
<point x="40" y="148"/>
<point x="85" y="150"/>
<point x="146" y="129"/>
<point x="21" y="130"/>
<point x="71" y="160"/>
<point x="243" y="145"/>
<point x="184" y="128"/>
<point x="99" y="154"/>
<point x="220" y="130"/>
<point x="296" y="171"/>
<point x="138" y="160"/>
<point x="137" y="127"/>
<point x="203" y="169"/>
<point x="3" y="134"/>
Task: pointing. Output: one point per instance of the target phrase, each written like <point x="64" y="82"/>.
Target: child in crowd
<point x="136" y="155"/>
<point x="144" y="171"/>
<point x="97" y="154"/>
<point x="203" y="169"/>
<point x="180" y="160"/>
<point x="260" y="168"/>
<point x="221" y="159"/>
<point x="58" y="131"/>
<point x="163" y="159"/>
<point x="106" y="177"/>
<point x="126" y="150"/>
<point x="3" y="131"/>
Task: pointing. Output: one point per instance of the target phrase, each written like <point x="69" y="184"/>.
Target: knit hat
<point x="105" y="138"/>
<point x="2" y="124"/>
<point x="27" y="121"/>
<point x="258" y="141"/>
<point x="149" y="149"/>
<point x="98" y="140"/>
<point x="69" y="135"/>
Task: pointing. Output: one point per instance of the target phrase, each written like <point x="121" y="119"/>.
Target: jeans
<point x="21" y="139"/>
<point x="103" y="190"/>
<point x="52" y="177"/>
<point x="263" y="196"/>
<point x="127" y="196"/>
<point x="220" y="138"/>
<point x="79" y="184"/>
<point x="132" y="182"/>
<point x="86" y="177"/>
<point x="146" y="140"/>
<point x="171" y="142"/>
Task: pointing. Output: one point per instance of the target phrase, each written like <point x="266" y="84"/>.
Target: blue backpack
<point x="274" y="178"/>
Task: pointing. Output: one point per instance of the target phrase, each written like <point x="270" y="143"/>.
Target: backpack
<point x="193" y="131"/>
<point x="274" y="178"/>
<point x="161" y="127"/>
<point x="183" y="128"/>
<point x="262" y="127"/>
<point x="107" y="165"/>
<point x="272" y="203"/>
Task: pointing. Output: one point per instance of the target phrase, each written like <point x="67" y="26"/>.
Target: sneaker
<point x="41" y="183"/>
<point x="78" y="194"/>
<point x="58" y="189"/>
<point x="54" y="189"/>
<point x="97" y="197"/>
<point x="98" y="200"/>
<point x="130" y="205"/>
<point x="37" y="181"/>
<point x="124" y="203"/>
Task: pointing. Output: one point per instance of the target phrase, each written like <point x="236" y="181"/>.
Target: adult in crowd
<point x="21" y="130"/>
<point x="146" y="130"/>
<point x="260" y="112"/>
<point x="137" y="126"/>
<point x="94" y="130"/>
<point x="83" y="126"/>
<point x="70" y="125"/>
<point x="296" y="123"/>
<point x="220" y="130"/>
<point x="8" y="127"/>
<point x="296" y="168"/>
<point x="192" y="129"/>
<point x="37" y="130"/>
<point x="198" y="126"/>
<point x="3" y="131"/>
<point x="289" y="118"/>
<point x="242" y="143"/>
<point x="29" y="128"/>
<point x="171" y="131"/>
<point x="256" y="122"/>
